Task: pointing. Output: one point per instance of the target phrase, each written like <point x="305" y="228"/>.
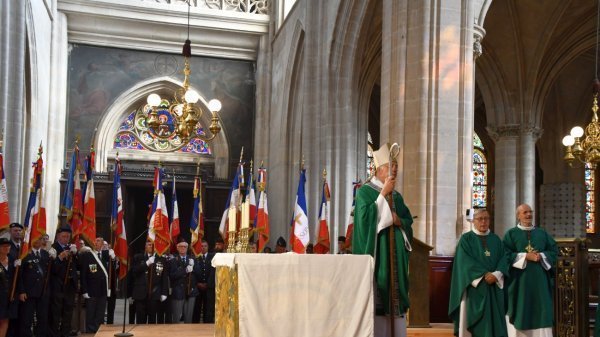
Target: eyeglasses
<point x="487" y="218"/>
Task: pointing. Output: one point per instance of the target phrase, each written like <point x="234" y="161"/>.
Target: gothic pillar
<point x="55" y="151"/>
<point x="12" y="100"/>
<point x="427" y="102"/>
<point x="529" y="137"/>
<point x="506" y="138"/>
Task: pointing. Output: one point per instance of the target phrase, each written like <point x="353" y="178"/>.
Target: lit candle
<point x="246" y="214"/>
<point x="232" y="219"/>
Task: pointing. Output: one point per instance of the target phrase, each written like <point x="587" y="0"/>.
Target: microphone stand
<point x="124" y="333"/>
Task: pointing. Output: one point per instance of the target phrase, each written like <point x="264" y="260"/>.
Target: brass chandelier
<point x="580" y="145"/>
<point x="180" y="117"/>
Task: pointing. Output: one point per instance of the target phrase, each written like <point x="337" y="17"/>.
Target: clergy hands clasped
<point x="533" y="256"/>
<point x="490" y="278"/>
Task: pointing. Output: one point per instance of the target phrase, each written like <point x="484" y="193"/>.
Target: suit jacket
<point x="183" y="284"/>
<point x="60" y="269"/>
<point x="34" y="271"/>
<point x="156" y="273"/>
<point x="93" y="279"/>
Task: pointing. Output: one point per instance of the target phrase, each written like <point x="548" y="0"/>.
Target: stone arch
<point x="353" y="72"/>
<point x="108" y="125"/>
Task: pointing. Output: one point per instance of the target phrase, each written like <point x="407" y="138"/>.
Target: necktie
<point x="37" y="253"/>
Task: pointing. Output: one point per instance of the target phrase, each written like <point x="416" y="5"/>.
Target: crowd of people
<point x="41" y="300"/>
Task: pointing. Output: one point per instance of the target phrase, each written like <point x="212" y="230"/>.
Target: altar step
<point x="208" y="330"/>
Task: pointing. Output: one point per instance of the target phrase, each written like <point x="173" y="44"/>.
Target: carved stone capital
<point x="504" y="131"/>
<point x="533" y="131"/>
<point x="478" y="34"/>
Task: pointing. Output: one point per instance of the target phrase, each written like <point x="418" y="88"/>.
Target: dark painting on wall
<point x="99" y="75"/>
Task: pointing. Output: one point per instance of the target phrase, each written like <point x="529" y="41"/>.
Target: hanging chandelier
<point x="179" y="117"/>
<point x="584" y="145"/>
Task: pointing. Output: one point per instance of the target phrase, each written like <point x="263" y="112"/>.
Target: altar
<point x="293" y="295"/>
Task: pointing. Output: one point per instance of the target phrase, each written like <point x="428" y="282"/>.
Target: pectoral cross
<point x="487" y="253"/>
<point x="529" y="248"/>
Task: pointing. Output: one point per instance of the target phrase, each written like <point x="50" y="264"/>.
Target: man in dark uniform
<point x="63" y="284"/>
<point x="33" y="295"/>
<point x="94" y="284"/>
<point x="150" y="284"/>
<point x="204" y="272"/>
<point x="183" y="285"/>
<point x="16" y="239"/>
<point x="113" y="275"/>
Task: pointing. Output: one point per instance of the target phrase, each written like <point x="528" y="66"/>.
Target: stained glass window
<point x="133" y="134"/>
<point x="479" y="174"/>
<point x="590" y="200"/>
<point x="370" y="160"/>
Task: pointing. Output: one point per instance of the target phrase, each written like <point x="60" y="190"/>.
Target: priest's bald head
<point x="382" y="158"/>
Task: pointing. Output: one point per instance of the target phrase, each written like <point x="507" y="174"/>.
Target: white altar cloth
<point x="303" y="295"/>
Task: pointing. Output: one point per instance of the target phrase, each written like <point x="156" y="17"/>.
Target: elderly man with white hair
<point x="532" y="253"/>
<point x="380" y="215"/>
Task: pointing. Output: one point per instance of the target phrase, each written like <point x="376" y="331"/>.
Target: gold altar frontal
<point x="208" y="330"/>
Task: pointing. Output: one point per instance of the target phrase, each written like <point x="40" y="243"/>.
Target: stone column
<point x="529" y="136"/>
<point x="55" y="151"/>
<point x="506" y="138"/>
<point x="427" y="107"/>
<point x="12" y="100"/>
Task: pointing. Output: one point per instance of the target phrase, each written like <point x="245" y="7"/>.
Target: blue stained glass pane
<point x="590" y="202"/>
<point x="127" y="125"/>
<point x="127" y="141"/>
<point x="479" y="196"/>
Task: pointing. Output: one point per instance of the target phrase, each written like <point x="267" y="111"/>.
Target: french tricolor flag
<point x="4" y="214"/>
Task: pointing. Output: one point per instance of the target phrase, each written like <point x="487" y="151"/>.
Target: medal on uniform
<point x="159" y="268"/>
<point x="93" y="268"/>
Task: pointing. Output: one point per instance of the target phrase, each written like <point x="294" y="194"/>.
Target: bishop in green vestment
<point x="373" y="221"/>
<point x="532" y="253"/>
<point x="476" y="293"/>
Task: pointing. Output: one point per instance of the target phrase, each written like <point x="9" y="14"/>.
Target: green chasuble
<point x="485" y="302"/>
<point x="530" y="290"/>
<point x="363" y="242"/>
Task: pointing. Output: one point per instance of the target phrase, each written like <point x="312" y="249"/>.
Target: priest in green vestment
<point x="532" y="253"/>
<point x="378" y="210"/>
<point x="476" y="293"/>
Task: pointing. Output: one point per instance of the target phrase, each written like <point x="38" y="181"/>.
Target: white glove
<point x="163" y="298"/>
<point x="191" y="262"/>
<point x="73" y="248"/>
<point x="130" y="301"/>
<point x="86" y="296"/>
<point x="150" y="261"/>
<point x="17" y="263"/>
<point x="111" y="253"/>
<point x="189" y="269"/>
<point x="52" y="253"/>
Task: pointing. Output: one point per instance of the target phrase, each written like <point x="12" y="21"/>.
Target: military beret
<point x="64" y="229"/>
<point x="16" y="225"/>
<point x="281" y="242"/>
